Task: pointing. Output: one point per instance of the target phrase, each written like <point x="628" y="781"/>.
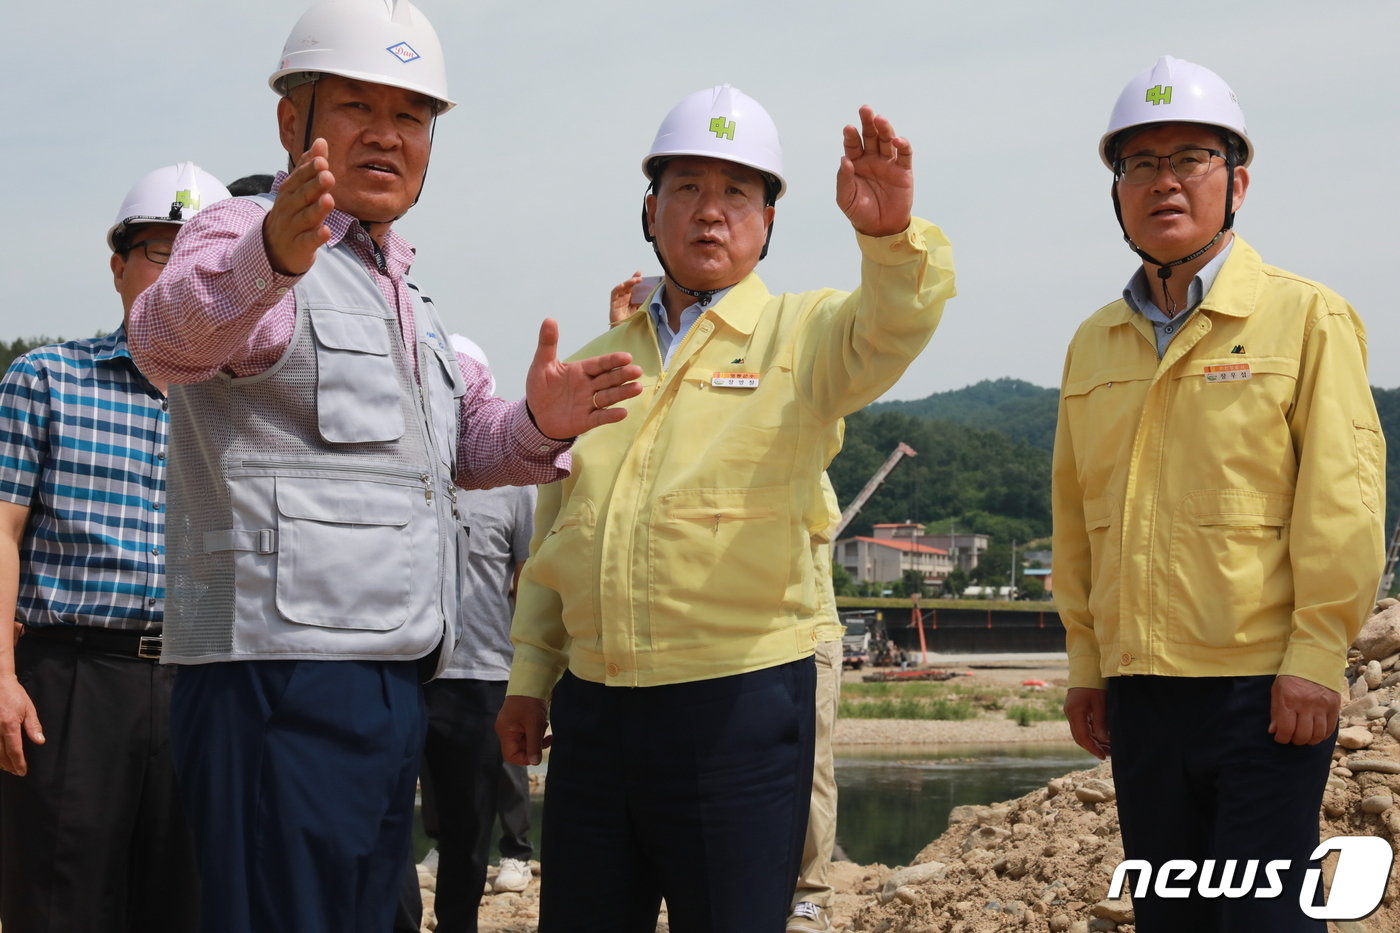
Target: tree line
<point x="983" y="463"/>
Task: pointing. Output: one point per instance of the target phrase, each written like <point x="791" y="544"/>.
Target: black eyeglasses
<point x="157" y="251"/>
<point x="1186" y="163"/>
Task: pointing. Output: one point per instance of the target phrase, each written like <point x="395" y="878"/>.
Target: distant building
<point x="1043" y="575"/>
<point x="966" y="548"/>
<point x="892" y="549"/>
<point x="878" y="560"/>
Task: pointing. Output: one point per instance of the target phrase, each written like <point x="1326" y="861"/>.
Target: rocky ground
<point x="1044" y="861"/>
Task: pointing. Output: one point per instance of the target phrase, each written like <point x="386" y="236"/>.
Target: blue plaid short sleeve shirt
<point x="83" y="443"/>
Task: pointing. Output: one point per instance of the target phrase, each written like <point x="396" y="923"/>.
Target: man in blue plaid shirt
<point x="92" y="836"/>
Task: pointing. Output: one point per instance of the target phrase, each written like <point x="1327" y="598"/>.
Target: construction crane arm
<point x="900" y="452"/>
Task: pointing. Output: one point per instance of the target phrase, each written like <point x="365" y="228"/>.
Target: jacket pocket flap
<point x="344" y="502"/>
<point x="361" y="333"/>
<point x="1088" y="384"/>
<point x="721" y="504"/>
<point x="1240" y="507"/>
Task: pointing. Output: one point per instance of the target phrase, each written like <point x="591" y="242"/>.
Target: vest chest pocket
<point x="443" y="383"/>
<point x="357" y="390"/>
<point x="346" y="553"/>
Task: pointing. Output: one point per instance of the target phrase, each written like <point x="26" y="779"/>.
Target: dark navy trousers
<point x="1198" y="776"/>
<point x="299" y="781"/>
<point x="460" y="776"/>
<point x="695" y="792"/>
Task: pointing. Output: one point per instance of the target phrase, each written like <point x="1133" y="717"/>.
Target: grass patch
<point x="1026" y="714"/>
<point x="950" y="699"/>
<point x="907" y="708"/>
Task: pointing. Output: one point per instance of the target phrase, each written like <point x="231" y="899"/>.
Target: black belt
<point x="122" y="644"/>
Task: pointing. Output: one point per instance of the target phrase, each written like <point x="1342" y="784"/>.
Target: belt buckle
<point x="149" y="647"/>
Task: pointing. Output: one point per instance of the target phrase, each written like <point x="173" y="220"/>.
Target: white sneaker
<point x="514" y="875"/>
<point x="807" y="917"/>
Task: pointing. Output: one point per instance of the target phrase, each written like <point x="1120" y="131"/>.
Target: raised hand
<point x="875" y="183"/>
<point x="567" y="399"/>
<point x="620" y="301"/>
<point x="295" y="227"/>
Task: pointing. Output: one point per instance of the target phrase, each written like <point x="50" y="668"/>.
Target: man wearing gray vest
<point x="320" y="425"/>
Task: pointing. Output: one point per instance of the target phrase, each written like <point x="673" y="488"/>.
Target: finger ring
<point x="596" y="406"/>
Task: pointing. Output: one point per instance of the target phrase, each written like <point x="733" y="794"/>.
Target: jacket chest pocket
<point x="1102" y="412"/>
<point x="1240" y="389"/>
<point x="444" y="387"/>
<point x="357" y="388"/>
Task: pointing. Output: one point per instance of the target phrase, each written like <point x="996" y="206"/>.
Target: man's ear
<point x="649" y="215"/>
<point x="1241" y="186"/>
<point x="287" y="128"/>
<point x="118" y="270"/>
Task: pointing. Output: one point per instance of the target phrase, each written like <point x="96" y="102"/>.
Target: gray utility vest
<point x="312" y="508"/>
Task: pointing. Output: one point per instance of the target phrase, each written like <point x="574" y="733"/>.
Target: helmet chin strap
<point x="1164" y="269"/>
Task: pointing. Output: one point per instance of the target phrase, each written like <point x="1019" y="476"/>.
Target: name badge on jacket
<point x="1230" y="372"/>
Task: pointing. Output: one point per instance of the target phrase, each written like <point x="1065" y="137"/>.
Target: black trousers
<point x="695" y="792"/>
<point x="94" y="837"/>
<point x="1199" y="777"/>
<point x="460" y="774"/>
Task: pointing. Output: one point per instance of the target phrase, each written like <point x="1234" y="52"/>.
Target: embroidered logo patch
<point x="403" y="52"/>
<point x="1239" y="348"/>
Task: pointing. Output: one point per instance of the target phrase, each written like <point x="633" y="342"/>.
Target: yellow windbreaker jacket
<point x="680" y="548"/>
<point x="1219" y="512"/>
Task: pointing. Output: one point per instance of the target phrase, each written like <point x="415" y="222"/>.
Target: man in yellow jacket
<point x="1218" y="510"/>
<point x="670" y="591"/>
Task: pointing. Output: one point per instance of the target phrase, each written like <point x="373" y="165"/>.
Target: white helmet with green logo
<point x="169" y="195"/>
<point x="721" y="122"/>
<point x="1177" y="91"/>
<point x="380" y="41"/>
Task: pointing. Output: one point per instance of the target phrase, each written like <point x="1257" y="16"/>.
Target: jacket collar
<point x="1235" y="292"/>
<point x="741" y="308"/>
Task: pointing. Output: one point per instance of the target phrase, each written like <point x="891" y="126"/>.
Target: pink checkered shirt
<point x="219" y="307"/>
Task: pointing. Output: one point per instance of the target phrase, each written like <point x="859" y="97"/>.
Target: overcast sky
<point x="532" y="202"/>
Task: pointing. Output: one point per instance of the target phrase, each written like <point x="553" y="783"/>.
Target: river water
<point x="894" y="800"/>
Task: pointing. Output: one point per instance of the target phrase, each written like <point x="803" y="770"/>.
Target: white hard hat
<point x="169" y="195"/>
<point x="722" y="123"/>
<point x="470" y="348"/>
<point x="381" y="41"/>
<point x="1177" y="91"/>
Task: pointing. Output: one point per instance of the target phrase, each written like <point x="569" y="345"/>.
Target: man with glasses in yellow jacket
<point x="1218" y="516"/>
<point x="671" y="591"/>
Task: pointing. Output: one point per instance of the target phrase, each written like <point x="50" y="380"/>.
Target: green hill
<point x="1022" y="411"/>
<point x="983" y="480"/>
<point x="984" y="458"/>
